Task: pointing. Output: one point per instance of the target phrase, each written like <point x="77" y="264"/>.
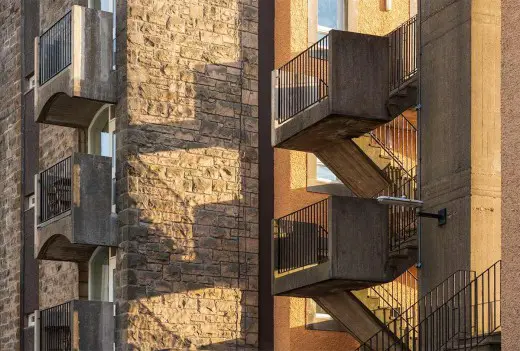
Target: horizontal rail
<point x="55" y="328"/>
<point x="55" y="190"/>
<point x="303" y="81"/>
<point x="301" y="237"/>
<point x="55" y="48"/>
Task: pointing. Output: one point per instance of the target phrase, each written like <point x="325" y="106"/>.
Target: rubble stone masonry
<point x="187" y="175"/>
<point x="10" y="172"/>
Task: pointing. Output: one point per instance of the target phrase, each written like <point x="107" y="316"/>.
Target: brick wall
<point x="10" y="172"/>
<point x="187" y="175"/>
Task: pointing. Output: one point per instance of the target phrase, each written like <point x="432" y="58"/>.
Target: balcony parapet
<point x="74" y="68"/>
<point x="73" y="208"/>
<point x="76" y="325"/>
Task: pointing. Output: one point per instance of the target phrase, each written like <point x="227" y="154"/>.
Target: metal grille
<point x="403" y="53"/>
<point x="55" y="328"/>
<point x="55" y="190"/>
<point x="301" y="237"/>
<point x="303" y="81"/>
<point x="55" y="49"/>
<point x="401" y="330"/>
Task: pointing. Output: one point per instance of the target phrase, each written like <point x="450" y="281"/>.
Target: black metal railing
<point x="403" y="53"/>
<point x="55" y="190"/>
<point x="402" y="225"/>
<point x="56" y="48"/>
<point x="461" y="322"/>
<point x="398" y="141"/>
<point x="55" y="328"/>
<point x="301" y="238"/>
<point x="303" y="81"/>
<point x="396" y="296"/>
<point x="397" y="331"/>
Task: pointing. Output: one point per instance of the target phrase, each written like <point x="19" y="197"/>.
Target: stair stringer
<point x="361" y="323"/>
<point x="354" y="168"/>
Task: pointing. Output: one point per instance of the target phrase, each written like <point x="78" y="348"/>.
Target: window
<point x="323" y="174"/>
<point x="102" y="141"/>
<point x="98" y="275"/>
<point x="319" y="319"/>
<point x="329" y="14"/>
<point x="101" y="270"/>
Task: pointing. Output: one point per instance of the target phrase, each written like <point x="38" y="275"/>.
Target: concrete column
<point x="510" y="111"/>
<point x="460" y="125"/>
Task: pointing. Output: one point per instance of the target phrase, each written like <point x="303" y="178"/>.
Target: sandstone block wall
<point x="10" y="173"/>
<point x="188" y="175"/>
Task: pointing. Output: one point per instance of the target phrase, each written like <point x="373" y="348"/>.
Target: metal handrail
<point x="55" y="49"/>
<point x="303" y="81"/>
<point x="467" y="318"/>
<point x="55" y="328"/>
<point x="55" y="190"/>
<point x="396" y="331"/>
<point x="403" y="53"/>
<point x="399" y="294"/>
<point x="398" y="139"/>
<point x="302" y="237"/>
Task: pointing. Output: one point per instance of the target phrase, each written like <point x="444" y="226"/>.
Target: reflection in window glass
<point x="323" y="173"/>
<point x="328" y="13"/>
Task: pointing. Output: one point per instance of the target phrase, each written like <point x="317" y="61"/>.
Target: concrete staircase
<point x="346" y="308"/>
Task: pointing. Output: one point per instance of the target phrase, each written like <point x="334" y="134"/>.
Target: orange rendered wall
<point x="290" y="173"/>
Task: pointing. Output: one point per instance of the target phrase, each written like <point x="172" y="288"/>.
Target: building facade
<point x="242" y="175"/>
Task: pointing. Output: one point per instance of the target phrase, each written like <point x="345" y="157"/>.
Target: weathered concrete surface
<point x="357" y="95"/>
<point x="354" y="168"/>
<point x="10" y="172"/>
<point x="460" y="144"/>
<point x="92" y="325"/>
<point x="95" y="325"/>
<point x="362" y="323"/>
<point x="74" y="235"/>
<point x="358" y="252"/>
<point x="74" y="95"/>
<point x="510" y="110"/>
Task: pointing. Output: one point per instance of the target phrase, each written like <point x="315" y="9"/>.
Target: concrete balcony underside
<point x="72" y="96"/>
<point x="74" y="234"/>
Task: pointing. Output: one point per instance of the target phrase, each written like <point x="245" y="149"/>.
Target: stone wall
<point x="10" y="173"/>
<point x="187" y="175"/>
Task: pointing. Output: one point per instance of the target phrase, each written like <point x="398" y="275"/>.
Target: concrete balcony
<point x="337" y="89"/>
<point x="73" y="208"/>
<point x="343" y="87"/>
<point x="341" y="243"/>
<point x="74" y="68"/>
<point x="76" y="325"/>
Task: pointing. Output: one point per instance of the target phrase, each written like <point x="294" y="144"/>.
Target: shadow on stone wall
<point x="188" y="197"/>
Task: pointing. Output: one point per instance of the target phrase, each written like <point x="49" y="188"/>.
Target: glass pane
<point x="328" y="13"/>
<point x="323" y="173"/>
<point x="105" y="146"/>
